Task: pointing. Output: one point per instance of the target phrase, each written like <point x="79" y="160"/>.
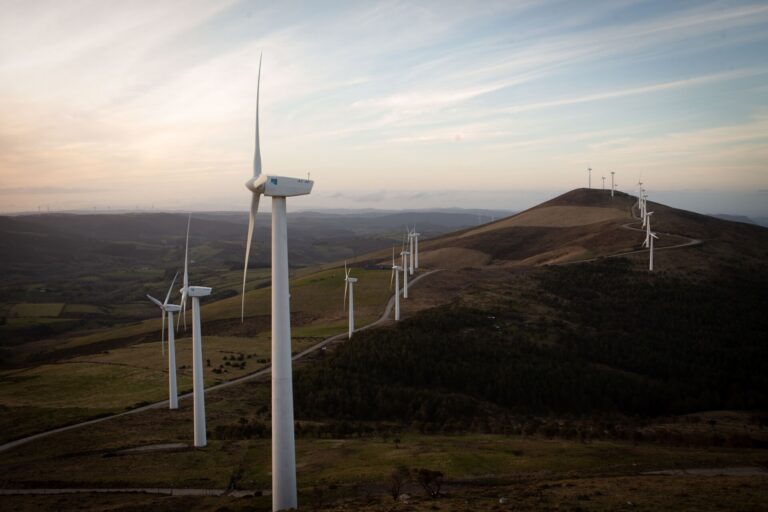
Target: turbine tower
<point x="395" y="276"/>
<point x="198" y="385"/>
<point x="349" y="282"/>
<point x="410" y="250"/>
<point x="647" y="229"/>
<point x="613" y="186"/>
<point x="589" y="179"/>
<point x="168" y="310"/>
<point x="283" y="442"/>
<point x="603" y="182"/>
<point x="644" y="208"/>
<point x="416" y="236"/>
<point x="650" y="251"/>
<point x="404" y="254"/>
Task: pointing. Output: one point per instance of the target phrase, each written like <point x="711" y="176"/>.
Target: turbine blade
<point x="170" y="288"/>
<point x="186" y="276"/>
<point x="346" y="284"/>
<point x="251" y="225"/>
<point x="160" y="304"/>
<point x="346" y="272"/>
<point x="392" y="277"/>
<point x="162" y="337"/>
<point x="257" y="150"/>
<point x="182" y="311"/>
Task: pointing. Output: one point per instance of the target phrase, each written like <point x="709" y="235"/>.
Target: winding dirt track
<point x="260" y="373"/>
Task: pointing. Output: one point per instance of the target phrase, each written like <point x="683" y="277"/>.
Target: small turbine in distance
<point x="349" y="282"/>
<point x="395" y="277"/>
<point x="404" y="254"/>
<point x="650" y="251"/>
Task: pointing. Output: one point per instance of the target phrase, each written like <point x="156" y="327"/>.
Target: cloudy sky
<point x="387" y="104"/>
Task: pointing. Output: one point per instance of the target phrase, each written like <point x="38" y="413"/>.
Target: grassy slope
<point x="105" y="379"/>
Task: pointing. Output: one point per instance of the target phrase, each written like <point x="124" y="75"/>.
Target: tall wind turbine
<point x="603" y="182"/>
<point x="396" y="277"/>
<point x="349" y="282"/>
<point x="589" y="179"/>
<point x="613" y="186"/>
<point x="168" y="310"/>
<point x="198" y="385"/>
<point x="283" y="442"/>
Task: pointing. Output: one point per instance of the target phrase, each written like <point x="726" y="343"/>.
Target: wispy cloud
<point x="644" y="89"/>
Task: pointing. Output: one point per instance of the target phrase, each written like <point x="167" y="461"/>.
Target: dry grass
<point x="453" y="258"/>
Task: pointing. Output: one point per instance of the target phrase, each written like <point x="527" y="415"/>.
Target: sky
<point x="150" y="104"/>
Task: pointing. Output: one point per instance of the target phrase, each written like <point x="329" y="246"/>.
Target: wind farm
<point x="446" y="315"/>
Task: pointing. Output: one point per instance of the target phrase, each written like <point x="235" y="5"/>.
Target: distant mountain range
<point x="759" y="221"/>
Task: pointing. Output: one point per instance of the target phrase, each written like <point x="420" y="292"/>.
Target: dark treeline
<point x="618" y="341"/>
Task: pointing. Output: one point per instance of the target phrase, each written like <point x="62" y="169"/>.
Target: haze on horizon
<point x="387" y="104"/>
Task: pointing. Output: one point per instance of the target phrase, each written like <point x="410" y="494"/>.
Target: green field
<point x="97" y="382"/>
<point x="35" y="310"/>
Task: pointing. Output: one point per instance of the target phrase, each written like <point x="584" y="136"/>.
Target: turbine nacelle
<point x="279" y="186"/>
<point x="198" y="291"/>
<point x="351" y="279"/>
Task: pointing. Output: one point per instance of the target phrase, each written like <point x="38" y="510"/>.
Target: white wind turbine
<point x="396" y="278"/>
<point x="652" y="235"/>
<point x="603" y="182"/>
<point x="643" y="211"/>
<point x="283" y="442"/>
<point x="647" y="229"/>
<point x="404" y="254"/>
<point x="410" y="249"/>
<point x="415" y="256"/>
<point x="198" y="385"/>
<point x="168" y="310"/>
<point x="349" y="282"/>
<point x="589" y="173"/>
<point x="613" y="185"/>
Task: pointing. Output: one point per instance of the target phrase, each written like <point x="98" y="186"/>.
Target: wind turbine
<point x="416" y="236"/>
<point x="613" y="186"/>
<point x="410" y="250"/>
<point x="603" y="182"/>
<point x="644" y="208"/>
<point x="395" y="276"/>
<point x="349" y="282"/>
<point x="650" y="251"/>
<point x="404" y="254"/>
<point x="589" y="173"/>
<point x="198" y="386"/>
<point x="283" y="442"/>
<point x="168" y="310"/>
<point x="647" y="229"/>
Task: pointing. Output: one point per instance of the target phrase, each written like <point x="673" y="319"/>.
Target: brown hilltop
<point x="587" y="223"/>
